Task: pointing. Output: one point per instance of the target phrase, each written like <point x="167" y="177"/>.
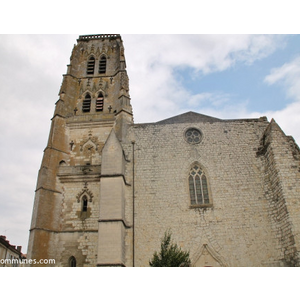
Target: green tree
<point x="170" y="254"/>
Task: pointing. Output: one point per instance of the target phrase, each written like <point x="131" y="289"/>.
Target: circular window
<point x="193" y="136"/>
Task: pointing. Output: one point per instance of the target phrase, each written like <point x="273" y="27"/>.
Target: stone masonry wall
<point x="237" y="228"/>
<point x="282" y="191"/>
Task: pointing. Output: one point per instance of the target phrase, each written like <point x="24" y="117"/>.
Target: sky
<point x="224" y="76"/>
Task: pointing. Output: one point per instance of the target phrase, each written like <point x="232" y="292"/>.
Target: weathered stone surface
<point x="108" y="189"/>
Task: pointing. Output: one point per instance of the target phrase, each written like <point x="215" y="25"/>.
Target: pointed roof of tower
<point x="189" y="117"/>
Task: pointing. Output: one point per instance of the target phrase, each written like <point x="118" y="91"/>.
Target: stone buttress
<point x="281" y="155"/>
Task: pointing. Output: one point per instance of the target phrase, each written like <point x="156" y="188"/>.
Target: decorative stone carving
<point x="85" y="191"/>
<point x="124" y="81"/>
<point x="103" y="85"/>
<point x="208" y="257"/>
<point x="89" y="146"/>
<point x="98" y="52"/>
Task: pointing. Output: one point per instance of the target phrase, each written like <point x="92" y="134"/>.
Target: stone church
<point x="108" y="189"/>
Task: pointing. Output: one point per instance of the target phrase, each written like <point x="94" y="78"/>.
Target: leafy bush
<point x="170" y="254"/>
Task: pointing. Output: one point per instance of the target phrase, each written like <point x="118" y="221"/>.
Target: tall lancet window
<point x="102" y="65"/>
<point x="198" y="186"/>
<point x="90" y="66"/>
<point x="86" y="104"/>
<point x="100" y="102"/>
<point x="84" y="203"/>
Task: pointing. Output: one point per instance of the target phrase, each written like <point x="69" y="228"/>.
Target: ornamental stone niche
<point x="84" y="197"/>
<point x="85" y="192"/>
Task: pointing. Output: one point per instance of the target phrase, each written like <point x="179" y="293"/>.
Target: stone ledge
<point x="209" y="205"/>
<point x="98" y="37"/>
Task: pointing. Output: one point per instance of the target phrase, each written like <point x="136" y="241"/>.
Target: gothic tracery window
<point x="198" y="186"/>
<point x="193" y="136"/>
<point x="86" y="105"/>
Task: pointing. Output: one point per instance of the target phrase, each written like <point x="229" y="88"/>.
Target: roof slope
<point x="189" y="117"/>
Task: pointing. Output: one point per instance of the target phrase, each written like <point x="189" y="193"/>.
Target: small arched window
<point x="198" y="186"/>
<point x="90" y="66"/>
<point x="62" y="163"/>
<point x="99" y="102"/>
<point x="84" y="203"/>
<point x="86" y="104"/>
<point x="72" y="261"/>
<point x="102" y="65"/>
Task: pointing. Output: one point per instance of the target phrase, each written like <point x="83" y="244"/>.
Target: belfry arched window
<point x="90" y="66"/>
<point x="86" y="104"/>
<point x="102" y="65"/>
<point x="99" y="102"/>
<point x="198" y="186"/>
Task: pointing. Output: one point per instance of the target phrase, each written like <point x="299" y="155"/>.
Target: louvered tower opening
<point x="86" y="105"/>
<point x="99" y="102"/>
<point x="102" y="65"/>
<point x="90" y="66"/>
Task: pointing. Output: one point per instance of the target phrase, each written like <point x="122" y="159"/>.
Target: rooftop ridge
<point x="194" y="117"/>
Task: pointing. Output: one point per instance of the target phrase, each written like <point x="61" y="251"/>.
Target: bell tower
<point x="93" y="105"/>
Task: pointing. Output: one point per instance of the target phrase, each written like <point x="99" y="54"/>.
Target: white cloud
<point x="30" y="77"/>
<point x="151" y="60"/>
<point x="288" y="119"/>
<point x="206" y="53"/>
<point x="216" y="100"/>
<point x="289" y="76"/>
